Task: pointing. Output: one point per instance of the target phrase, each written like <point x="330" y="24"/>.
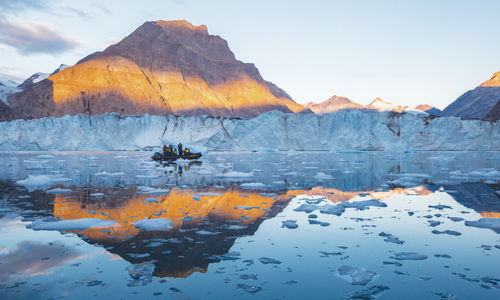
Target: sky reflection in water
<point x="231" y="241"/>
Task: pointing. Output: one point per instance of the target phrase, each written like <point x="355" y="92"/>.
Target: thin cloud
<point x="19" y="6"/>
<point x="31" y="37"/>
<point x="112" y="41"/>
<point x="77" y="12"/>
<point x="103" y="8"/>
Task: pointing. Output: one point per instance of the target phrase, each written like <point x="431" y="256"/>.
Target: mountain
<point x="6" y="113"/>
<point x="8" y="83"/>
<point x="476" y="103"/>
<point x="382" y="105"/>
<point x="35" y="78"/>
<point x="494" y="113"/>
<point x="429" y="109"/>
<point x="163" y="67"/>
<point x="334" y="104"/>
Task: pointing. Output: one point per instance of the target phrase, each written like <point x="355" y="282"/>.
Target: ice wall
<point x="273" y="130"/>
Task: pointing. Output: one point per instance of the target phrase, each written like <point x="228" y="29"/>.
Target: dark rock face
<point x="163" y="67"/>
<point x="6" y="113"/>
<point x="494" y="113"/>
<point x="431" y="110"/>
<point x="476" y="103"/>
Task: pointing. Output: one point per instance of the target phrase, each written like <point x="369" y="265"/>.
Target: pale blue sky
<point x="405" y="52"/>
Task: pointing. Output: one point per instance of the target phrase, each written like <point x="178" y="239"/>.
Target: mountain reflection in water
<point x="180" y="251"/>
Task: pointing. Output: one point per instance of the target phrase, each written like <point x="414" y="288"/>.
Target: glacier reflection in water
<point x="288" y="225"/>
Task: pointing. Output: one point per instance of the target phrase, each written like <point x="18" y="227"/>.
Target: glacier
<point x="276" y="131"/>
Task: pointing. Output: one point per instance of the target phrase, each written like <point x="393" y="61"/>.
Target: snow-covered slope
<point x="35" y="78"/>
<point x="8" y="83"/>
<point x="6" y="91"/>
<point x="274" y="130"/>
<point x="382" y="105"/>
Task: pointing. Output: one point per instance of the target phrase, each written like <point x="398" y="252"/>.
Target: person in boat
<point x="186" y="151"/>
<point x="180" y="148"/>
<point x="165" y="149"/>
<point x="175" y="151"/>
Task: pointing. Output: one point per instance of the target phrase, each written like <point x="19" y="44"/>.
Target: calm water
<point x="293" y="225"/>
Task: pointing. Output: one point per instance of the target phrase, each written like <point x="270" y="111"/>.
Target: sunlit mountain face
<point x="163" y="67"/>
<point x="118" y="224"/>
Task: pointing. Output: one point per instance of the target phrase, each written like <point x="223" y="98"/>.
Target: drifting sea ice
<point x="150" y="190"/>
<point x="234" y="175"/>
<point x="42" y="182"/>
<point x="79" y="224"/>
<point x="409" y="256"/>
<point x="290" y="224"/>
<point x="59" y="191"/>
<point x="154" y="224"/>
<point x="253" y="186"/>
<point x="371" y="292"/>
<point x="492" y="223"/>
<point x="359" y="276"/>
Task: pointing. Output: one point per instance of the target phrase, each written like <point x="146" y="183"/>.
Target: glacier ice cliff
<point x="274" y="130"/>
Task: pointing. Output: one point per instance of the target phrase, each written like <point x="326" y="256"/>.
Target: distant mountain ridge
<point x="334" y="104"/>
<point x="163" y="67"/>
<point x="476" y="103"/>
<point x="337" y="103"/>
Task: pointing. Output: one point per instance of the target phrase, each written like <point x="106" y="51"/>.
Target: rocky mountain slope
<point x="334" y="104"/>
<point x="163" y="67"/>
<point x="476" y="103"/>
<point x="6" y="113"/>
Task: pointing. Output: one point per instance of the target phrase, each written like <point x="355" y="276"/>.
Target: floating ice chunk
<point x="141" y="273"/>
<point x="34" y="182"/>
<point x="155" y="200"/>
<point x="409" y="256"/>
<point x="196" y="198"/>
<point x="440" y="206"/>
<point x="246" y="207"/>
<point x="492" y="223"/>
<point x="138" y="255"/>
<point x="449" y="232"/>
<point x="290" y="224"/>
<point x="45" y="156"/>
<point x="456" y="219"/>
<point x="204" y="173"/>
<point x="359" y="276"/>
<point x="292" y="174"/>
<point x="433" y="223"/>
<point x="445" y="296"/>
<point x="59" y="191"/>
<point x="150" y="190"/>
<point x="97" y="195"/>
<point x="154" y="224"/>
<point x="391" y="239"/>
<point x="361" y="205"/>
<point x="332" y="210"/>
<point x="236" y="227"/>
<point x="316" y="222"/>
<point x="424" y="278"/>
<point x="228" y="256"/>
<point x="253" y="185"/>
<point x="371" y="292"/>
<point x="79" y="224"/>
<point x="442" y="256"/>
<point x="234" y="174"/>
<point x="328" y="254"/>
<point x="323" y="176"/>
<point x="266" y="260"/>
<point x="106" y="174"/>
<point x="204" y="232"/>
<point x="248" y="288"/>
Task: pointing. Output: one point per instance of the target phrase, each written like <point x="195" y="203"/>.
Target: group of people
<point x="171" y="151"/>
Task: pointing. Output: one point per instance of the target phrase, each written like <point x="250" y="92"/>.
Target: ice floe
<point x="359" y="276"/>
<point x="78" y="224"/>
<point x="159" y="224"/>
<point x="42" y="182"/>
<point x="371" y="292"/>
<point x="409" y="256"/>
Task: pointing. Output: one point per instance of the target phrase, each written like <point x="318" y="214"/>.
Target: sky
<point x="405" y="52"/>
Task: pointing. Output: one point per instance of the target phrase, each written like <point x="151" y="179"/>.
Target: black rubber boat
<point x="160" y="157"/>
